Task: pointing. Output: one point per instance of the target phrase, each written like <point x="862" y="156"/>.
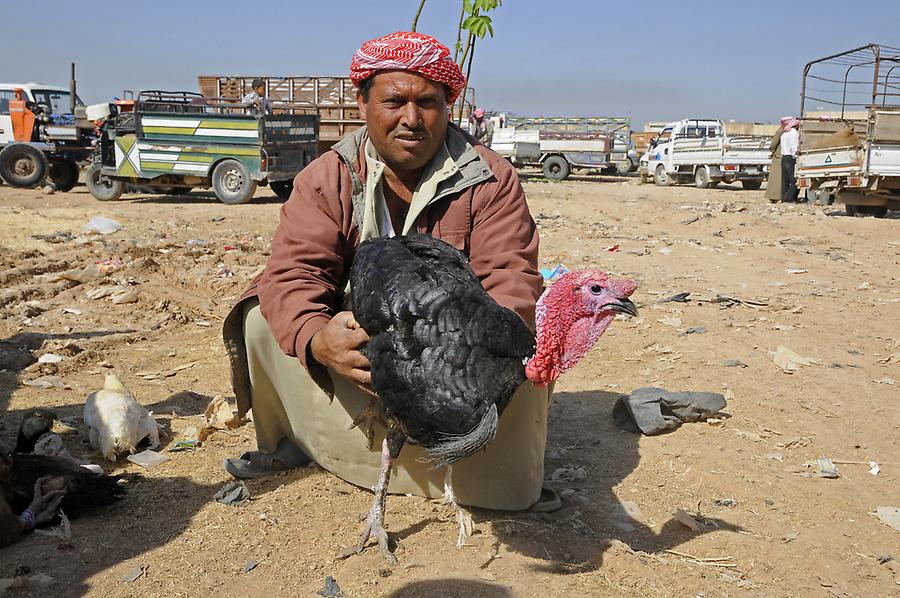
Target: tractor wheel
<point x="231" y="182"/>
<point x="102" y="187"/>
<point x="556" y="168"/>
<point x="63" y="174"/>
<point x="22" y="165"/>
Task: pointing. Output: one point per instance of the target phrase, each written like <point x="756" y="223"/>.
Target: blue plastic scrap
<point x="551" y="275"/>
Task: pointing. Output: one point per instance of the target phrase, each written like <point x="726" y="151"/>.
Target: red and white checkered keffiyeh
<point x="408" y="51"/>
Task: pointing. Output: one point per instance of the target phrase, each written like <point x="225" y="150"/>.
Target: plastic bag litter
<point x="101" y="225"/>
<point x="148" y="459"/>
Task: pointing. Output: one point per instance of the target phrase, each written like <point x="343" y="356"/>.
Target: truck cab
<point x="40" y="137"/>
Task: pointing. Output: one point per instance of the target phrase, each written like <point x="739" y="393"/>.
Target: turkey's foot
<point x="366" y="421"/>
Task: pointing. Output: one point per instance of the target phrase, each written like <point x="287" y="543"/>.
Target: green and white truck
<point x="175" y="141"/>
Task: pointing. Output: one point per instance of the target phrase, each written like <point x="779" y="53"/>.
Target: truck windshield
<point x="58" y="101"/>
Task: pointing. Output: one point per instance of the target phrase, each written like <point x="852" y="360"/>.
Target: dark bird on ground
<point x="446" y="358"/>
<point x="20" y="471"/>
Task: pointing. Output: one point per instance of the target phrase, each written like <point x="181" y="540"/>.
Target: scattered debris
<point x="190" y="444"/>
<point x="135" y="574"/>
<point x="219" y="415"/>
<point x="250" y="566"/>
<point x="674" y="322"/>
<point x="148" y="459"/>
<point x="790" y="537"/>
<point x="734" y="363"/>
<point x="775" y="457"/>
<point x="550" y="275"/>
<point x="889" y="516"/>
<point x="687" y="520"/>
<point x="331" y="589"/>
<point x="822" y="467"/>
<point x="101" y="225"/>
<point x="725" y="503"/>
<point x="789" y="361"/>
<point x="50" y="358"/>
<point x="677" y="298"/>
<point x="796" y="271"/>
<point x="653" y="410"/>
<point x="45" y="382"/>
<point x="234" y="494"/>
<point x="568" y="474"/>
<point x="873" y="468"/>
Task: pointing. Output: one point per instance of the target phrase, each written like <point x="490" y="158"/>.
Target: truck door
<point x="659" y="149"/>
<point x="6" y="130"/>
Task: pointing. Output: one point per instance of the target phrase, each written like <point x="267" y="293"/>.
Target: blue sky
<point x="651" y="60"/>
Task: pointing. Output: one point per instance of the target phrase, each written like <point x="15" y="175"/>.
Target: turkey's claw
<point x="366" y="421"/>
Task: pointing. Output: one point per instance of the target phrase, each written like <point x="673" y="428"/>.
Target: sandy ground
<point x="809" y="278"/>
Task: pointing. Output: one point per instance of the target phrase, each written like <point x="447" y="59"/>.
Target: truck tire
<point x="63" y="174"/>
<point x="876" y="211"/>
<point x="701" y="177"/>
<point x="751" y="184"/>
<point x="231" y="182"/>
<point x="22" y="165"/>
<point x="624" y="166"/>
<point x="101" y="187"/>
<point x="282" y="189"/>
<point x="556" y="168"/>
<point x="661" y="177"/>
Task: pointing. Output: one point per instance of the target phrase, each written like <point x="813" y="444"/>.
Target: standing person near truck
<point x="790" y="144"/>
<point x="773" y="183"/>
<point x="484" y="128"/>
<point x="256" y="99"/>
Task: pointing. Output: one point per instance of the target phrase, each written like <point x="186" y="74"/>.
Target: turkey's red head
<point x="572" y="314"/>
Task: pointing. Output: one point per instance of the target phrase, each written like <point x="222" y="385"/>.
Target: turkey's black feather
<point x="442" y="351"/>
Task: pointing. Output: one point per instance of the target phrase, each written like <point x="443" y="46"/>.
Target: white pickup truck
<point x="698" y="150"/>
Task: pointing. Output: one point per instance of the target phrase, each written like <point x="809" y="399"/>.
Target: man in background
<point x="790" y="144"/>
<point x="484" y="128"/>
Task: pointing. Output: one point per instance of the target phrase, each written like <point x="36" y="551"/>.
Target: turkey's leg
<point x="390" y="449"/>
<point x="367" y="419"/>
<point x="463" y="518"/>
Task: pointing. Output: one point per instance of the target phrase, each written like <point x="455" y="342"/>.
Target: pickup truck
<point x="559" y="145"/>
<point x="852" y="149"/>
<point x="179" y="140"/>
<point x="698" y="149"/>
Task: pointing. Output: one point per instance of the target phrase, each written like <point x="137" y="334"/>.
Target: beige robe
<point x="773" y="185"/>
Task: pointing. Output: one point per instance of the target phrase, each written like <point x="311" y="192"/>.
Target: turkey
<point x="20" y="471"/>
<point x="446" y="358"/>
<point x="117" y="422"/>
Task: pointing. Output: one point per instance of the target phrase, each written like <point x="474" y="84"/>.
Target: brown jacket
<point x="480" y="210"/>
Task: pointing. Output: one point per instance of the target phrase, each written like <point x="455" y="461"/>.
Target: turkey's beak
<point x="61" y="428"/>
<point x="624" y="306"/>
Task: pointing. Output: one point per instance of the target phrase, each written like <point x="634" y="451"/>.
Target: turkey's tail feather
<point x="454" y="448"/>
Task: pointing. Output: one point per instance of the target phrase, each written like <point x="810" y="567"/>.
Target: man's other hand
<point x="337" y="346"/>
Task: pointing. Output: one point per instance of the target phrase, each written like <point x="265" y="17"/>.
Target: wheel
<point x="231" y="182"/>
<point x="701" y="177"/>
<point x="876" y="211"/>
<point x="624" y="166"/>
<point x="661" y="177"/>
<point x="751" y="184"/>
<point x="178" y="190"/>
<point x="63" y="174"/>
<point x="102" y="187"/>
<point x="282" y="189"/>
<point x="21" y="165"/>
<point x="556" y="168"/>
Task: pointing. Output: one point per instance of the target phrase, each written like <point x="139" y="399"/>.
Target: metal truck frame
<point x="560" y="145"/>
<point x="179" y="140"/>
<point x="852" y="148"/>
<point x="697" y="149"/>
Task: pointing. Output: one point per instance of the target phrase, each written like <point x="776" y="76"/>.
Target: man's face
<point x="260" y="90"/>
<point x="406" y="116"/>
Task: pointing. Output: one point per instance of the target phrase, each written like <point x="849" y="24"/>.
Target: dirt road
<point x="760" y="276"/>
